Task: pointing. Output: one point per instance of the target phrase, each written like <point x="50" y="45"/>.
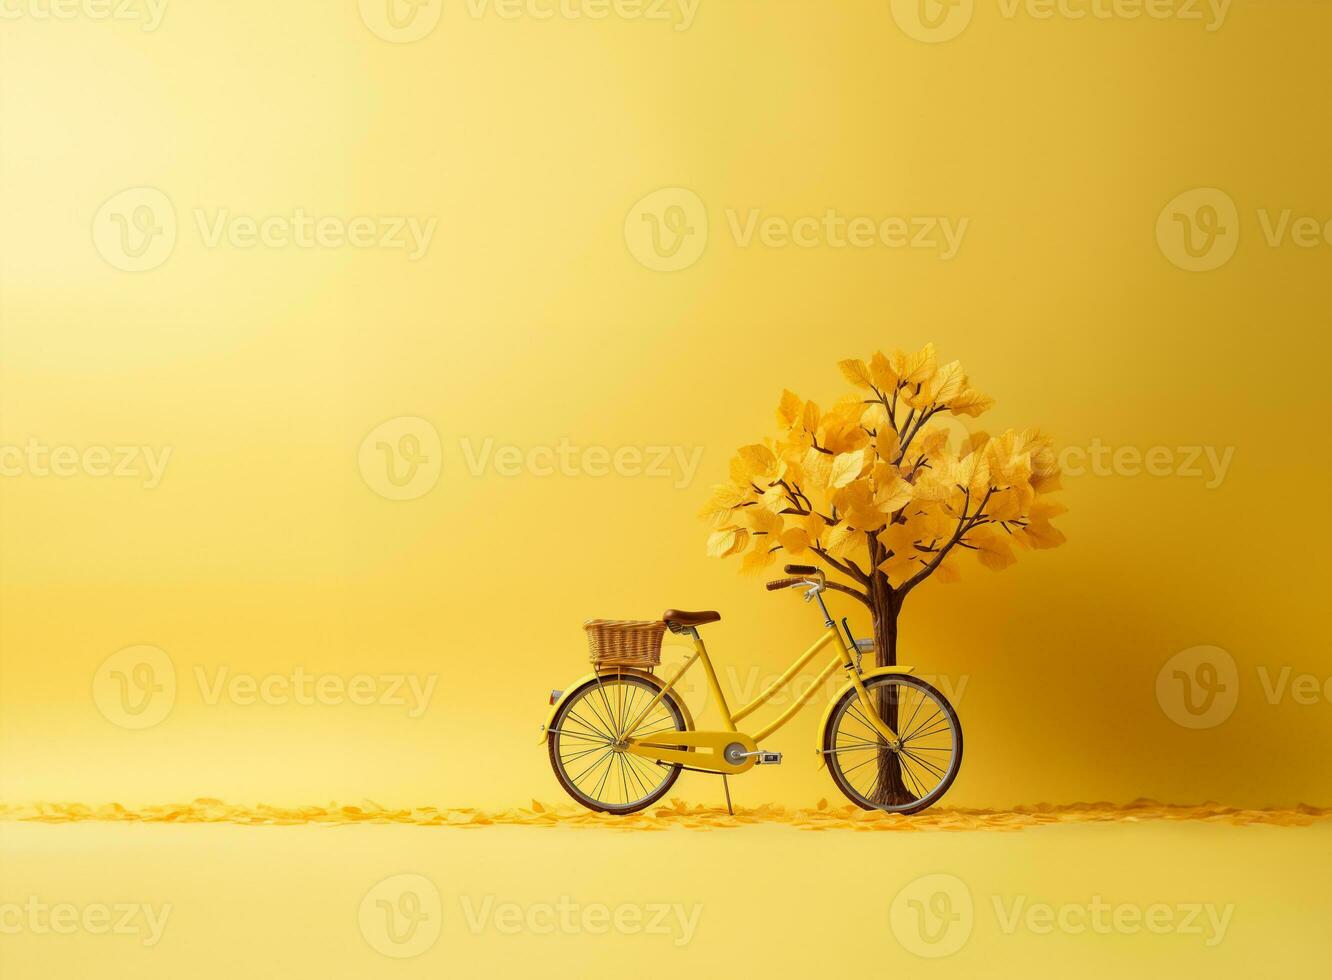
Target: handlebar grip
<point x="783" y="583"/>
<point x="801" y="570"/>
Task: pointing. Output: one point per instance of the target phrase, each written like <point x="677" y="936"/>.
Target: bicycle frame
<point x="716" y="751"/>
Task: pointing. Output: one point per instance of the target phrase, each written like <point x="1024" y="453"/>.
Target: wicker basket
<point x="624" y="642"/>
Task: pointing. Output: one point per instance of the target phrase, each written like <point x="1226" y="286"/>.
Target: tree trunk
<point x="890" y="789"/>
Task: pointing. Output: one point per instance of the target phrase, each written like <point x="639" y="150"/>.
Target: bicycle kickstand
<point x="726" y="785"/>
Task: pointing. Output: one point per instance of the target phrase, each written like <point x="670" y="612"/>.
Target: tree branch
<point x="964" y="524"/>
<point x="925" y="416"/>
<point x="847" y="568"/>
<point x="855" y="593"/>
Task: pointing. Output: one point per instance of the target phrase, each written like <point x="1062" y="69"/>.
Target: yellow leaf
<point x="1043" y="534"/>
<point x="874" y="417"/>
<point x="948" y="383"/>
<point x="756" y="560"/>
<point x="933" y="444"/>
<point x="882" y="373"/>
<point x="994" y="549"/>
<point x="840" y="539"/>
<point x="846" y="467"/>
<point x="763" y="520"/>
<point x="724" y="497"/>
<point x="727" y="541"/>
<point x="917" y="368"/>
<point x="811" y="417"/>
<point x="893" y="495"/>
<point x="949" y="571"/>
<point x="788" y="410"/>
<point x="1043" y="510"/>
<point x="886" y="444"/>
<point x="813" y="525"/>
<point x="795" y="540"/>
<point x="818" y="469"/>
<point x="970" y="402"/>
<point x="855" y="371"/>
<point x="759" y="461"/>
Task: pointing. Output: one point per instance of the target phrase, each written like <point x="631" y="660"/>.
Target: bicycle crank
<point x="736" y="755"/>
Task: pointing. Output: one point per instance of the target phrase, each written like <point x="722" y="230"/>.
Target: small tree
<point x="876" y="493"/>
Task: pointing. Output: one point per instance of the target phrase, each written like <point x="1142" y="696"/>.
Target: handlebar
<point x="805" y="575"/>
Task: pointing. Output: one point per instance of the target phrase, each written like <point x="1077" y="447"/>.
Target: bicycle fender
<point x="575" y="685"/>
<point x="832" y="702"/>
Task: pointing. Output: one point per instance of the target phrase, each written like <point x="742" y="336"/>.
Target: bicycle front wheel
<point x="902" y="779"/>
<point x="587" y="739"/>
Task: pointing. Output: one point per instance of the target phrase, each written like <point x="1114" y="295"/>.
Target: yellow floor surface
<point x="1148" y="898"/>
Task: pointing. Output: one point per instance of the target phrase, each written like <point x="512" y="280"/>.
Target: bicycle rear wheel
<point x="587" y="736"/>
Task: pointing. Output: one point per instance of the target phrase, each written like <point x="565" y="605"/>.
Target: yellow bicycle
<point x="620" y="736"/>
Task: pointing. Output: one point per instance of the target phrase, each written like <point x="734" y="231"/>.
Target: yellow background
<point x="529" y="322"/>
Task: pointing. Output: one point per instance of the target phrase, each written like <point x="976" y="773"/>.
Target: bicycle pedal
<point x="768" y="759"/>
